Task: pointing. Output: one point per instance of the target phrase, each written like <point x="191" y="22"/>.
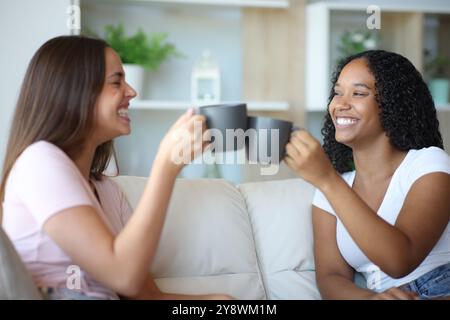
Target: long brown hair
<point x="56" y="102"/>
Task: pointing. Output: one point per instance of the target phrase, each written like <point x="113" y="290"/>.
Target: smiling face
<point x="111" y="111"/>
<point x="354" y="109"/>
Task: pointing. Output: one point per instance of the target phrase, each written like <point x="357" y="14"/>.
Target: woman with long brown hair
<point x="58" y="208"/>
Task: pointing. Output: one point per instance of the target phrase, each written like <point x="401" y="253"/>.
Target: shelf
<point x="274" y="4"/>
<point x="183" y="105"/>
<point x="402" y="32"/>
<point x="234" y="3"/>
<point x="431" y="6"/>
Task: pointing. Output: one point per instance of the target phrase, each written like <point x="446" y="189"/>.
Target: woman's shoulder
<point x="429" y="157"/>
<point x="42" y="146"/>
<point x="420" y="162"/>
<point x="43" y="165"/>
<point x="42" y="149"/>
<point x="43" y="155"/>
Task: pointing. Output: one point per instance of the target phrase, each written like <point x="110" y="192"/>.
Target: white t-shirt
<point x="43" y="182"/>
<point x="416" y="164"/>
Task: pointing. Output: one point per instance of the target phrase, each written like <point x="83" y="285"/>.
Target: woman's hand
<point x="305" y="156"/>
<point x="184" y="141"/>
<point x="395" y="293"/>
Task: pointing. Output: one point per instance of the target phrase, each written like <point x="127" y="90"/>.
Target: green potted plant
<point x="356" y="41"/>
<point x="139" y="52"/>
<point x="438" y="81"/>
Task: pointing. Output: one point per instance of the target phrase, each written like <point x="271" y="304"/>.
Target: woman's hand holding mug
<point x="185" y="140"/>
<point x="305" y="156"/>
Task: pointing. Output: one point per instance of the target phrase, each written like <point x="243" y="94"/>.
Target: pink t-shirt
<point x="43" y="182"/>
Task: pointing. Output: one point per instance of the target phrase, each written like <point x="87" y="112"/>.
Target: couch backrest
<point x="206" y="244"/>
<point x="15" y="281"/>
<point x="280" y="214"/>
<point x="253" y="241"/>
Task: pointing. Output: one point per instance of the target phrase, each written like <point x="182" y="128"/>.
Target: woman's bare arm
<point x="334" y="276"/>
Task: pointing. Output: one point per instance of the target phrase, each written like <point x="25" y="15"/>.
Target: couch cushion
<point x="207" y="244"/>
<point x="15" y="281"/>
<point x="280" y="213"/>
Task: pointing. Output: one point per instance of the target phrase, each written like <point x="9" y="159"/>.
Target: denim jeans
<point x="431" y="285"/>
<point x="64" y="294"/>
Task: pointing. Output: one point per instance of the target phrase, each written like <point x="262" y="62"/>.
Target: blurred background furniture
<point x="276" y="55"/>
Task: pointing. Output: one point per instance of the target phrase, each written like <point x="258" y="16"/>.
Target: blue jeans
<point x="63" y="294"/>
<point x="431" y="285"/>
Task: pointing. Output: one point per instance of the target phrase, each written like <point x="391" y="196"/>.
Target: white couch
<point x="252" y="241"/>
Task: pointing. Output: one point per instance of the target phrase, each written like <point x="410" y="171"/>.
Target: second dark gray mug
<point x="267" y="139"/>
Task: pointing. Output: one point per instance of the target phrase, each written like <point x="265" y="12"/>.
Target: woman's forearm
<point x="135" y="246"/>
<point x="385" y="245"/>
<point x="337" y="287"/>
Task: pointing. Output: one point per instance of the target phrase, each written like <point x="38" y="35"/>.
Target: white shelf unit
<point x="183" y="105"/>
<point x="317" y="51"/>
<point x="161" y="101"/>
<point x="404" y="23"/>
<point x="404" y="29"/>
<point x="231" y="3"/>
<point x="431" y="6"/>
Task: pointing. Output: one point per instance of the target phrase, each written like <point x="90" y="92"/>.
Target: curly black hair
<point x="407" y="111"/>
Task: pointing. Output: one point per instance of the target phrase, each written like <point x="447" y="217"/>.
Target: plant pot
<point x="134" y="75"/>
<point x="439" y="89"/>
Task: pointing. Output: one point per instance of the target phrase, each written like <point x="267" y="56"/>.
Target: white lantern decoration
<point x="205" y="80"/>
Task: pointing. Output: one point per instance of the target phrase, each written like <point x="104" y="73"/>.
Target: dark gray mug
<point x="267" y="139"/>
<point x="225" y="119"/>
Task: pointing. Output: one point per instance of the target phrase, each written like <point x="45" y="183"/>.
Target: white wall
<point x="24" y="26"/>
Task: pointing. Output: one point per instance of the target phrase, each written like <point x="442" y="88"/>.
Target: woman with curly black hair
<point x="382" y="203"/>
